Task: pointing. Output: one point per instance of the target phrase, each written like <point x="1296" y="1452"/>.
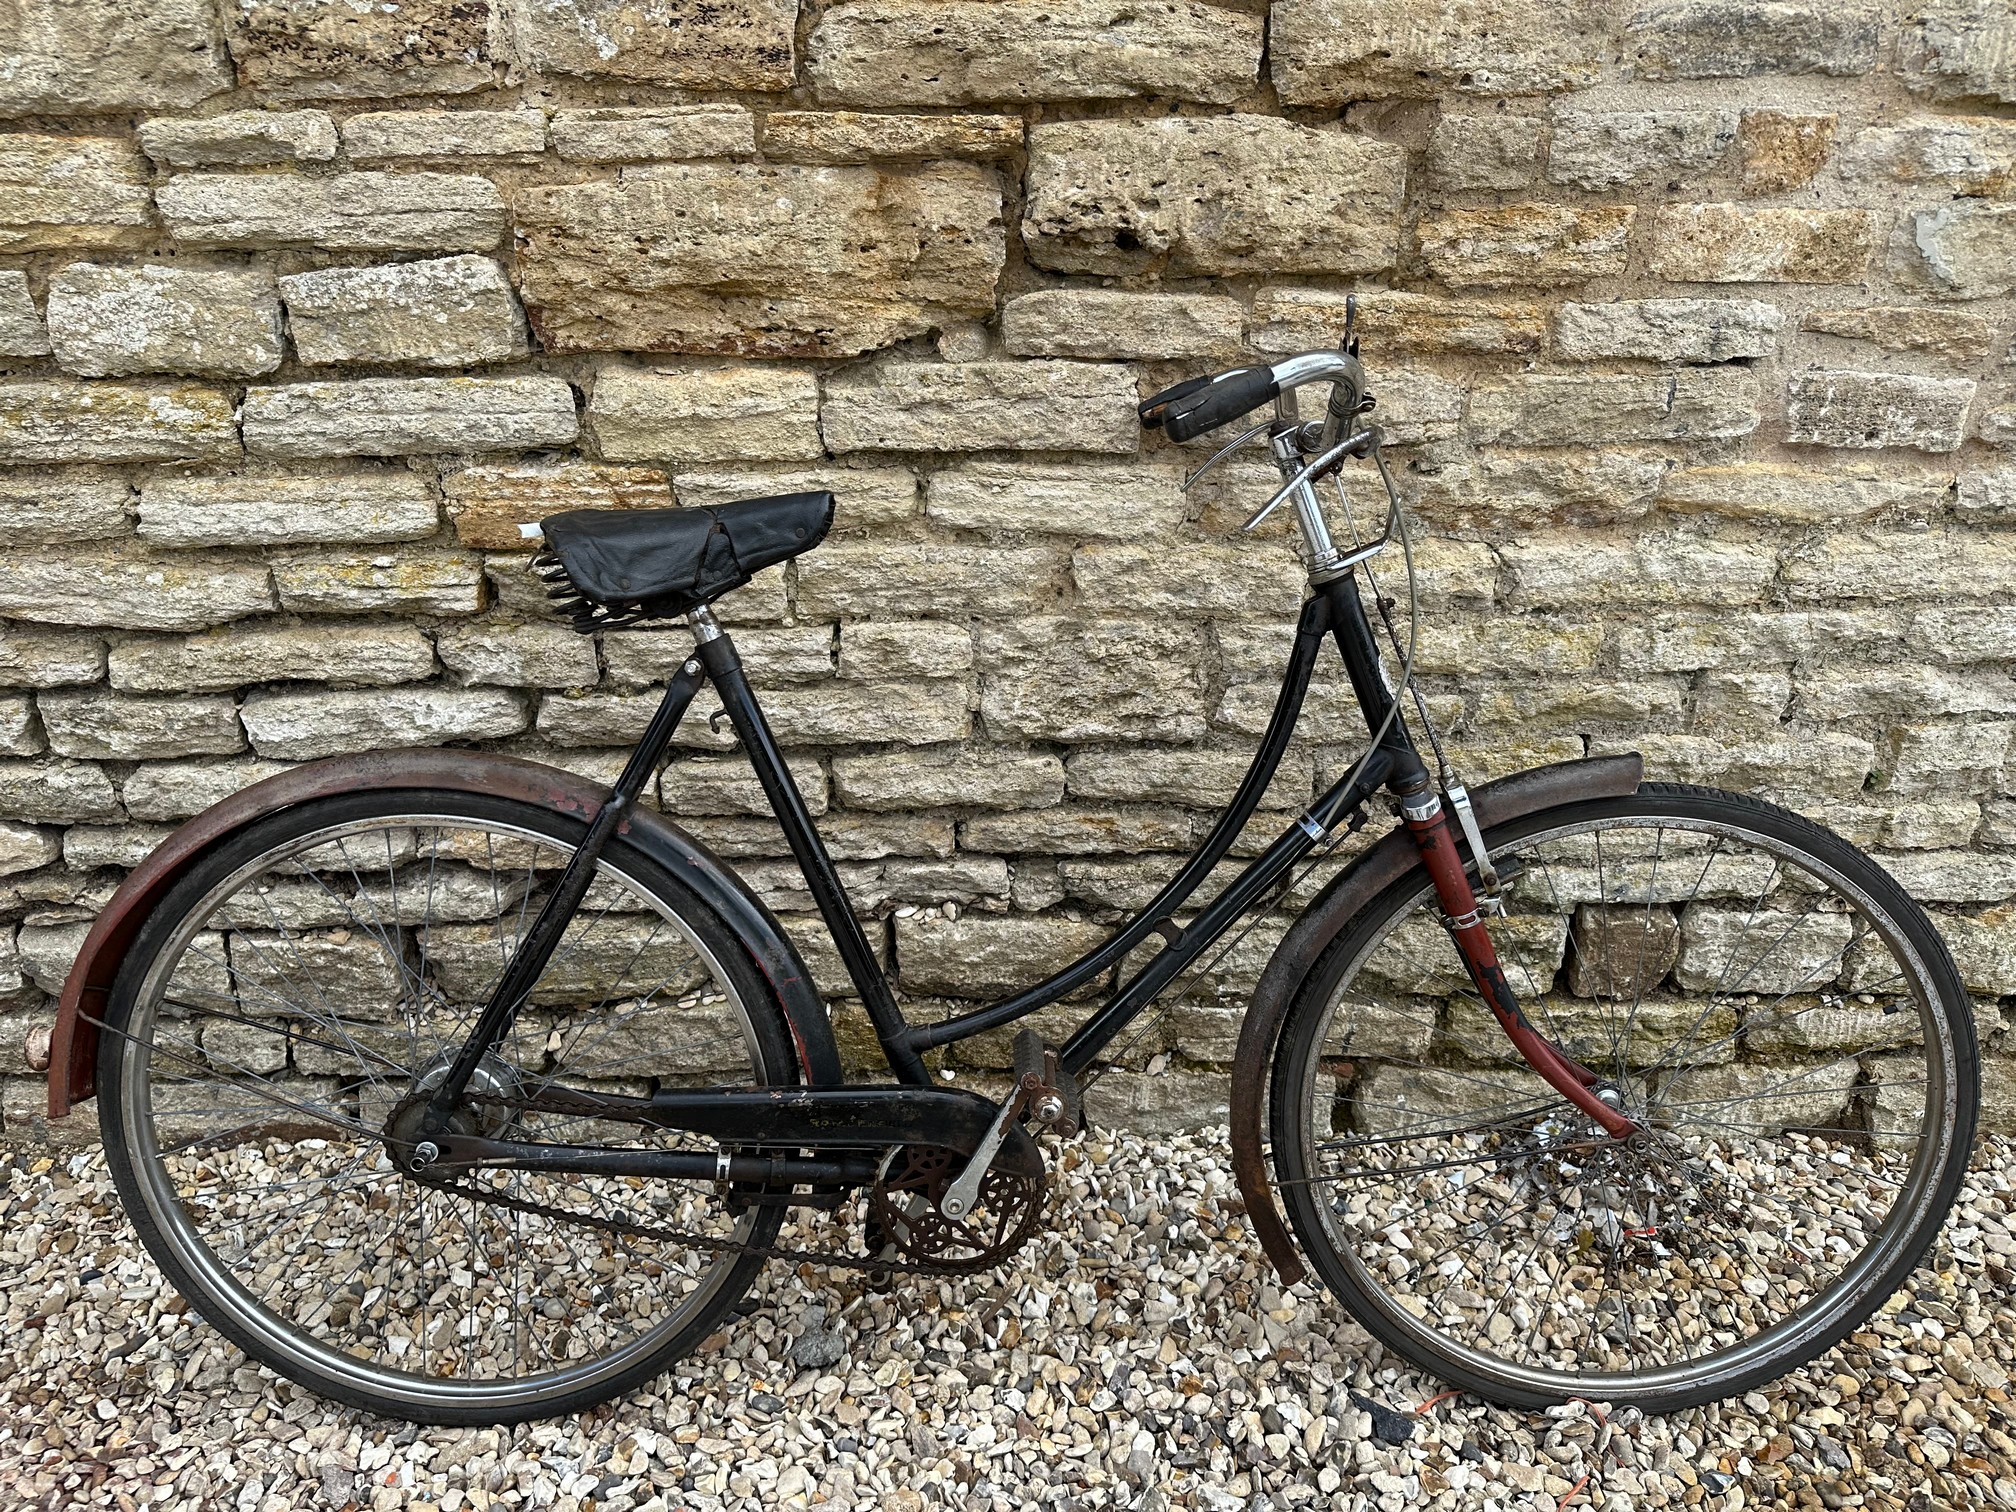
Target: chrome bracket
<point x="1490" y="894"/>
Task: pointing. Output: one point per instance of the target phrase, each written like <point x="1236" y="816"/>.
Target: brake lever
<point x="1225" y="451"/>
<point x="1314" y="470"/>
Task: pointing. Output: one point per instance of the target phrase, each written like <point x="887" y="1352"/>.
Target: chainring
<point x="905" y="1215"/>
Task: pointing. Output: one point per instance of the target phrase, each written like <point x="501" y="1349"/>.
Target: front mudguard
<point x="1336" y="906"/>
<point x="73" y="1057"/>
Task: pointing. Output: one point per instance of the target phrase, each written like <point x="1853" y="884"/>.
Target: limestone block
<point x="93" y="56"/>
<point x="376" y="135"/>
<point x="116" y="321"/>
<point x="1668" y="330"/>
<point x="171" y="790"/>
<point x="1602" y="149"/>
<point x="393" y="417"/>
<point x="1886" y="565"/>
<point x="1955" y="49"/>
<point x="19" y="735"/>
<point x="695" y="257"/>
<point x="1965" y="635"/>
<point x="1108" y="323"/>
<point x="703" y="44"/>
<point x="444" y="312"/>
<point x="1560" y="570"/>
<point x="1776" y="491"/>
<point x="1745" y="1101"/>
<point x="848" y="136"/>
<point x="1092" y="679"/>
<point x="772" y="655"/>
<point x="1151" y="1104"/>
<point x="1683" y="643"/>
<point x="946" y="52"/>
<point x="98" y="726"/>
<point x="240" y="138"/>
<point x="351" y="212"/>
<point x="64" y="420"/>
<point x="874" y="649"/>
<point x="332" y="49"/>
<point x="727" y="785"/>
<point x="67" y="193"/>
<point x="862" y="495"/>
<point x="49" y="658"/>
<point x="1953" y="334"/>
<point x="23" y="848"/>
<point x="56" y="792"/>
<point x="401" y="582"/>
<point x="518" y="656"/>
<point x="982" y="406"/>
<point x="53" y="506"/>
<point x="886" y="578"/>
<point x="1943" y="759"/>
<point x="1243" y="581"/>
<point x="22" y="333"/>
<point x="1204" y="779"/>
<point x="299" y="726"/>
<point x="1782" y="149"/>
<point x="738" y="413"/>
<point x="272" y="509"/>
<point x="981" y="955"/>
<point x="1546" y="409"/>
<point x="1737" y="39"/>
<point x="1968" y="249"/>
<point x="488" y="501"/>
<point x="1228" y="194"/>
<point x="1807" y="765"/>
<point x="1955" y="876"/>
<point x="1987" y="498"/>
<point x="1484" y="151"/>
<point x="1973" y="155"/>
<point x="1534" y="244"/>
<point x="1737" y="244"/>
<point x="238" y="656"/>
<point x="1077" y="830"/>
<point x="133" y="590"/>
<point x="652" y="133"/>
<point x="1058" y="498"/>
<point x="1290" y="319"/>
<point x="1869" y="410"/>
<point x="1330" y="52"/>
<point x="977" y="776"/>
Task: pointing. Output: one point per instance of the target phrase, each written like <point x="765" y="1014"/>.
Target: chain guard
<point x="904" y="1212"/>
<point x="906" y="1228"/>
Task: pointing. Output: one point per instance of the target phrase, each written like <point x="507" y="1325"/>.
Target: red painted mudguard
<point x="1347" y="895"/>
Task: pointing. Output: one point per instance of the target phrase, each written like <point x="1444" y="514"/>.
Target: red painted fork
<point x="1572" y="1079"/>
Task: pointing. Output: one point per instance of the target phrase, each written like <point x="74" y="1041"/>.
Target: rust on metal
<point x="1347" y="895"/>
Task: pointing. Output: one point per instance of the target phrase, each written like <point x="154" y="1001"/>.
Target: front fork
<point x="1428" y="823"/>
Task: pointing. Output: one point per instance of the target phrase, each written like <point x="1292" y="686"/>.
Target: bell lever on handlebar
<point x="1225" y="451"/>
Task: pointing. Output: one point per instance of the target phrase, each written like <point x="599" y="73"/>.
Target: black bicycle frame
<point x="1335" y="610"/>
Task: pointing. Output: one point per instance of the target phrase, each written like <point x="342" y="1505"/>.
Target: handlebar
<point x="1197" y="405"/>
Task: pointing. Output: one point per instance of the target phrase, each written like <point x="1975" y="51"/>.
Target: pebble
<point x="1141" y="1354"/>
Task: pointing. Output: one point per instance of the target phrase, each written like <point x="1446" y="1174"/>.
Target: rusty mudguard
<point x="73" y="1059"/>
<point x="1348" y="894"/>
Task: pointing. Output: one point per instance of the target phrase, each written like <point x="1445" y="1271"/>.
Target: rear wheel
<point x="1780" y="1017"/>
<point x="318" y="969"/>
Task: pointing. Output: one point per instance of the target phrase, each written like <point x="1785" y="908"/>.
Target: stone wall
<point x="1691" y="323"/>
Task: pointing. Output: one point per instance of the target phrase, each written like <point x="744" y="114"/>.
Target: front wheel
<point x="312" y="977"/>
<point x="1779" y="1017"/>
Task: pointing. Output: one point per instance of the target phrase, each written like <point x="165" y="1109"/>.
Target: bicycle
<point x="465" y="1090"/>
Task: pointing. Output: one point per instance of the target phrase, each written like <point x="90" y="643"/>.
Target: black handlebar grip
<point x="1224" y="397"/>
<point x="1153" y="407"/>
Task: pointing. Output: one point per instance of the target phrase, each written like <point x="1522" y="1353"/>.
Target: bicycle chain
<point x="833" y="1258"/>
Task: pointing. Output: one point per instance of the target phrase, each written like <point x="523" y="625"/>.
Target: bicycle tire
<point x="1332" y="1228"/>
<point x="132" y="1110"/>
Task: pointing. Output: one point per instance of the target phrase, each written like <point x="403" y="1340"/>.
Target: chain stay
<point x="554" y="1100"/>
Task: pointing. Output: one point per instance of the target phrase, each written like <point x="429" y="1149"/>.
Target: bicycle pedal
<point x="1056" y="1105"/>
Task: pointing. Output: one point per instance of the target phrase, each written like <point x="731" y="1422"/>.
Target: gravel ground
<point x="1143" y="1357"/>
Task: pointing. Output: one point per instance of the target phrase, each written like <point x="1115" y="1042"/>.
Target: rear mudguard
<point x="73" y="1051"/>
<point x="1348" y="894"/>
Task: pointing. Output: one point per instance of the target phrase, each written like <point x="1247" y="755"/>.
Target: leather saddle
<point x="610" y="568"/>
